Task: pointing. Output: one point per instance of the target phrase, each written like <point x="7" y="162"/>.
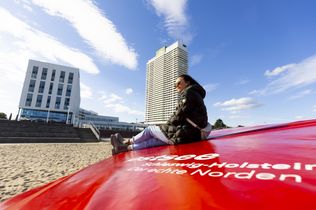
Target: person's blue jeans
<point x="151" y="136"/>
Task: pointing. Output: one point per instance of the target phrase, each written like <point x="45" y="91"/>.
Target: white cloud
<point x="176" y="21"/>
<point x="122" y="108"/>
<point x="243" y="82"/>
<point x="129" y="91"/>
<point x="301" y="94"/>
<point x="22" y="40"/>
<point x="25" y="4"/>
<point x="112" y="98"/>
<point x="210" y="87"/>
<point x="85" y="91"/>
<point x="92" y="25"/>
<point x="255" y="92"/>
<point x="293" y="76"/>
<point x="234" y="117"/>
<point x="299" y="117"/>
<point x="196" y="59"/>
<point x="116" y="104"/>
<point x="314" y="108"/>
<point x="103" y="95"/>
<point x="278" y="70"/>
<point x="236" y="105"/>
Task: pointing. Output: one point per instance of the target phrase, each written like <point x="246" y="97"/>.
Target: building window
<point x="39" y="100"/>
<point x="50" y="88"/>
<point x="57" y="104"/>
<point x="68" y="91"/>
<point x="48" y="101"/>
<point x="28" y="101"/>
<point x="34" y="72"/>
<point x="66" y="104"/>
<point x="62" y="77"/>
<point x="32" y="85"/>
<point x="40" y="115"/>
<point x="60" y="89"/>
<point x="41" y="87"/>
<point x="53" y="75"/>
<point x="70" y="78"/>
<point x="44" y="74"/>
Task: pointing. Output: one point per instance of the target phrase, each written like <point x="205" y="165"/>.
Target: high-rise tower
<point x="162" y="71"/>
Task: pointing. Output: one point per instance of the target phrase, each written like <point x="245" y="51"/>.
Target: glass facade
<point x="39" y="115"/>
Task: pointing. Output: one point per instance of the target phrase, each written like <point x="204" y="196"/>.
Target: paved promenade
<point x="25" y="166"/>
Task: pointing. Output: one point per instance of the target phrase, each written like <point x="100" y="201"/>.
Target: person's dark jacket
<point x="191" y="106"/>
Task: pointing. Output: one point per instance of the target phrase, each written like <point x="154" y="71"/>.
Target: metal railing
<point x="94" y="130"/>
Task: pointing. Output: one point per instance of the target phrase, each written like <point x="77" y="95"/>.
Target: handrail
<point x="94" y="130"/>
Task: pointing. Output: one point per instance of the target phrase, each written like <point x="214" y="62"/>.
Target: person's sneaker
<point x="120" y="139"/>
<point x="116" y="140"/>
<point x="113" y="140"/>
<point x="119" y="149"/>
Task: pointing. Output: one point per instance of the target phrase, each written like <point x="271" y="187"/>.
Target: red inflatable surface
<point x="263" y="167"/>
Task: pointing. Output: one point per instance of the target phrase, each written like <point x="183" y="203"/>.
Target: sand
<point x="25" y="166"/>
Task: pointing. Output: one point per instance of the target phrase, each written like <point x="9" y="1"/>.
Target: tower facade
<point x="50" y="92"/>
<point x="161" y="73"/>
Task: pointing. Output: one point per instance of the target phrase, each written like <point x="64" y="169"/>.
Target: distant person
<point x="182" y="127"/>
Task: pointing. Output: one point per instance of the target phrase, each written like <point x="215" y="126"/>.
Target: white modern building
<point x="162" y="71"/>
<point x="106" y="122"/>
<point x="50" y="92"/>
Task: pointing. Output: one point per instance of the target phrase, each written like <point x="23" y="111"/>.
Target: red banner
<point x="263" y="167"/>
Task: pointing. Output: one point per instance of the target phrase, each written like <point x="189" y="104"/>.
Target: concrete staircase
<point x="39" y="132"/>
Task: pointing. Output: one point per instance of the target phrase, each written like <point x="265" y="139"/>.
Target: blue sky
<point x="256" y="59"/>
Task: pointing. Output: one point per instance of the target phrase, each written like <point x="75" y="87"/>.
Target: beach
<point x="25" y="166"/>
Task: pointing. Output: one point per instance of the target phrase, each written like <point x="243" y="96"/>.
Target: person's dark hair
<point x="188" y="78"/>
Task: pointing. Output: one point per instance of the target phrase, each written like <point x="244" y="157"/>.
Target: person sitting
<point x="179" y="128"/>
